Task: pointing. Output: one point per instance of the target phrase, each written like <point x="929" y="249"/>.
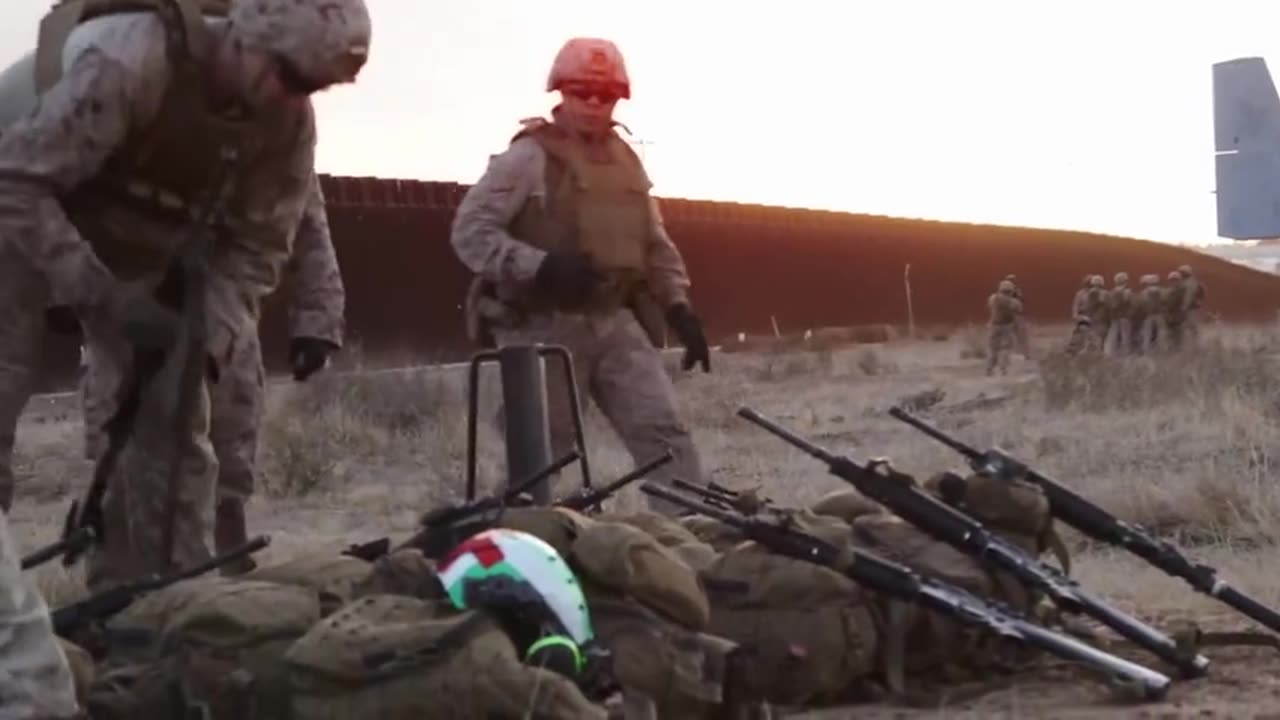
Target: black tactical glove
<point x="61" y="320"/>
<point x="688" y="328"/>
<point x="307" y="355"/>
<point x="567" y="276"/>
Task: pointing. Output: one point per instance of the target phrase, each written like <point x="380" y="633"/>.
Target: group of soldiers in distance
<point x="1120" y="320"/>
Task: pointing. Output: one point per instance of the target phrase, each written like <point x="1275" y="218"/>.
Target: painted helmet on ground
<point x="590" y="60"/>
<point x="321" y="42"/>
<point x="522" y="579"/>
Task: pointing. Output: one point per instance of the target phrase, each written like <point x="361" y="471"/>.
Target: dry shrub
<point x="338" y="423"/>
<point x="973" y="342"/>
<point x="1202" y="377"/>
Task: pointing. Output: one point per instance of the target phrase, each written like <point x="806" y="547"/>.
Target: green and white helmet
<point x="503" y="568"/>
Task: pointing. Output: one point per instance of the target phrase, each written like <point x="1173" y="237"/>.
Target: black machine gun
<point x="443" y="528"/>
<point x="901" y="495"/>
<point x="1098" y="524"/>
<point x="70" y="620"/>
<point x="900" y="582"/>
<point x="77" y="541"/>
<point x="592" y="498"/>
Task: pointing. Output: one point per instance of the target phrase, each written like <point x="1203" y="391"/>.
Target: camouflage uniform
<point x="21" y="331"/>
<point x="1077" y="302"/>
<point x="1120" y="312"/>
<point x="569" y="248"/>
<point x="1193" y="300"/>
<point x="99" y="181"/>
<point x="1020" y="324"/>
<point x="35" y="680"/>
<point x="1174" y="309"/>
<point x="1150" y="315"/>
<point x="1089" y="308"/>
<point x="1005" y="310"/>
<point x="317" y="300"/>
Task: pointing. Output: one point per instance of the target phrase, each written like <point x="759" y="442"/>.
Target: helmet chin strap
<point x="550" y="643"/>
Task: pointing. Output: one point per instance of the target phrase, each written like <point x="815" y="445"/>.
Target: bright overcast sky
<point x="1089" y="114"/>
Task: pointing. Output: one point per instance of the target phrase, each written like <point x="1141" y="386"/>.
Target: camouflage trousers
<point x="22" y="300"/>
<point x="1153" y="335"/>
<point x="236" y="406"/>
<point x="620" y="369"/>
<point x="1118" y="341"/>
<point x="35" y="679"/>
<point x="143" y="507"/>
<point x="1001" y="338"/>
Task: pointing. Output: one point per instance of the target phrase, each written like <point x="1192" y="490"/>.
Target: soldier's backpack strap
<point x="62" y="19"/>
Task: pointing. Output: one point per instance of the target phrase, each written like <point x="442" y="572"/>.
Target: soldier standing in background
<point x="1150" y="306"/>
<point x="1004" y="309"/>
<point x="569" y="248"/>
<point x="1174" y="309"/>
<point x="1193" y="300"/>
<point x="93" y="203"/>
<point x="1077" y="302"/>
<point x="1119" y="312"/>
<point x="1021" y="337"/>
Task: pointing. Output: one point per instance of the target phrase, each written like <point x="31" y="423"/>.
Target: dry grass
<point x="1183" y="444"/>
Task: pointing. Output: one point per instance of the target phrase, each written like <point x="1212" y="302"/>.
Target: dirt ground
<point x="1185" y="445"/>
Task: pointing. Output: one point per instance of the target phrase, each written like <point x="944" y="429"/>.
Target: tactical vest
<point x="1095" y="301"/>
<point x="164" y="169"/>
<point x="1004" y="309"/>
<point x="597" y="201"/>
<point x="1174" y="297"/>
<point x="1150" y="299"/>
<point x="1121" y="302"/>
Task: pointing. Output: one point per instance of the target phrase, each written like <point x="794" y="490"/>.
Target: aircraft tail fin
<point x="1246" y="127"/>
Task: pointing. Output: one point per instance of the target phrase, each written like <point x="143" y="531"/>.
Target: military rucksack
<point x="330" y="574"/>
<point x="392" y="657"/>
<point x="220" y="648"/>
<point x="808" y="634"/>
<point x="921" y="643"/>
<point x="628" y="560"/>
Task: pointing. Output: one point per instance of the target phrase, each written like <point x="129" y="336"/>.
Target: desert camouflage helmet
<point x="1150" y="279"/>
<point x="323" y="42"/>
<point x="590" y="60"/>
<point x="1006" y="287"/>
<point x="1096" y="281"/>
<point x="1174" y="275"/>
<point x="1185" y="270"/>
<point x="1121" y="278"/>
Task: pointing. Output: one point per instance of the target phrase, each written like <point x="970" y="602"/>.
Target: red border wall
<point x="806" y="268"/>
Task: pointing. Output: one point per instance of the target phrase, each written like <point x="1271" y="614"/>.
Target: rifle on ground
<point x="446" y="526"/>
<point x="95" y="609"/>
<point x="592" y="497"/>
<point x="1102" y="526"/>
<point x="746" y="502"/>
<point x="900" y="494"/>
<point x="77" y="541"/>
<point x="900" y="582"/>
